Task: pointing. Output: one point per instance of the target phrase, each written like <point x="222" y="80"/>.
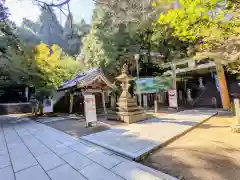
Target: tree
<point x="51" y="32"/>
<point x="207" y="25"/>
<point x="105" y="44"/>
<point x="73" y="34"/>
<point x="48" y="30"/>
<point x="28" y="32"/>
<point x="14" y="60"/>
<point x="54" y="66"/>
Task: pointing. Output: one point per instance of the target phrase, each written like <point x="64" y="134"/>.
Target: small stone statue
<point x="201" y="86"/>
<point x="189" y="95"/>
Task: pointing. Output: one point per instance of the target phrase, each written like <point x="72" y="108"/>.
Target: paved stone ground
<point x="31" y="150"/>
<point x="77" y="128"/>
<point x="209" y="152"/>
<point x="135" y="140"/>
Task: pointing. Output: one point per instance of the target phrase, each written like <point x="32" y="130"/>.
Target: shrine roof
<point x="86" y="78"/>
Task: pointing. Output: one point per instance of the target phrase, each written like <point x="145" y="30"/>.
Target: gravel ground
<point x="209" y="152"/>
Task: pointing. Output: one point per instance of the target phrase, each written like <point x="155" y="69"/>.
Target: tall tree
<point x="14" y="59"/>
<point x="28" y="32"/>
<point x="105" y="44"/>
<point x="208" y="25"/>
<point x="51" y="32"/>
<point x="54" y="66"/>
<point x="73" y="34"/>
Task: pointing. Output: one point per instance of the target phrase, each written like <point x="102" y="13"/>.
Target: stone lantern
<point x="128" y="111"/>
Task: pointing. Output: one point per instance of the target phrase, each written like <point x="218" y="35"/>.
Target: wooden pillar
<point x="104" y="103"/>
<point x="223" y="86"/>
<point x="71" y="102"/>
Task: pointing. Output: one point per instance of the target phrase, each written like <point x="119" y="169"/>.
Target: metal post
<point x="174" y="85"/>
<point x="104" y="103"/>
<point x="137" y="56"/>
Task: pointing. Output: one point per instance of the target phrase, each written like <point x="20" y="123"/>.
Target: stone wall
<point x="15" y="108"/>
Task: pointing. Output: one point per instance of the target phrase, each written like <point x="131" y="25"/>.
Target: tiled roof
<point x="86" y="78"/>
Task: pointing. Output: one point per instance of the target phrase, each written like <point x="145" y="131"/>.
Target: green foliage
<point x="48" y="30"/>
<point x="54" y="66"/>
<point x="209" y="26"/>
<point x="43" y="66"/>
<point x="14" y="57"/>
<point x="105" y="44"/>
<point x="115" y="35"/>
<point x="195" y="19"/>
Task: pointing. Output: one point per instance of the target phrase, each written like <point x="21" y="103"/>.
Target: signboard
<point x="47" y="106"/>
<point x="172" y="98"/>
<point x="90" y="108"/>
<point x="153" y="84"/>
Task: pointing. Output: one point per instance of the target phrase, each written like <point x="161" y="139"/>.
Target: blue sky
<point x="20" y="9"/>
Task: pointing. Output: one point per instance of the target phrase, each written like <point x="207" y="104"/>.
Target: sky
<point x="19" y="9"/>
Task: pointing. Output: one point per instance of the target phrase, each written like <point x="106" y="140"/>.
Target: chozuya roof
<point x="86" y="78"/>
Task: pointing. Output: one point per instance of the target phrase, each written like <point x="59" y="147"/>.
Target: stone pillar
<point x="155" y="103"/>
<point x="145" y="102"/>
<point x="223" y="86"/>
<point x="236" y="126"/>
<point x="104" y="103"/>
<point x="237" y="110"/>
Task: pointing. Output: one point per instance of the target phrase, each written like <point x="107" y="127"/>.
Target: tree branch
<point x="53" y="4"/>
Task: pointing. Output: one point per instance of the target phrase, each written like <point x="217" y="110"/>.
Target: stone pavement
<point x="31" y="150"/>
<point x="135" y="140"/>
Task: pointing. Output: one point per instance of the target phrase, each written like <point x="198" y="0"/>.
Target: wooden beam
<point x="223" y="87"/>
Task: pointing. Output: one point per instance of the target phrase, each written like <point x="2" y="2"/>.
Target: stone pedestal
<point x="127" y="109"/>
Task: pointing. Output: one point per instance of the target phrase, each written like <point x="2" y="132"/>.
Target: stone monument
<point x="127" y="110"/>
<point x="201" y="85"/>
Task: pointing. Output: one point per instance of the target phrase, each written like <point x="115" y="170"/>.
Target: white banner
<point x="172" y="98"/>
<point x="90" y="108"/>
